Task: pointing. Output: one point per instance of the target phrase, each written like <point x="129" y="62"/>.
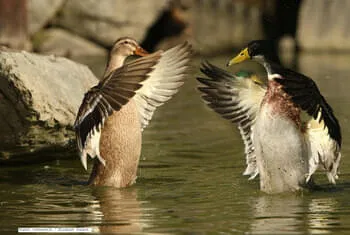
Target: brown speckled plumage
<point x="282" y="103"/>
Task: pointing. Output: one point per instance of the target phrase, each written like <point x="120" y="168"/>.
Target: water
<point x="190" y="178"/>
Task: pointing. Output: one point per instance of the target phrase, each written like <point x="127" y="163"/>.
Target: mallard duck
<point x="113" y="113"/>
<point x="288" y="128"/>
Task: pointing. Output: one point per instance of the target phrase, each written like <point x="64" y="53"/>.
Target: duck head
<point x="258" y="50"/>
<point x="121" y="49"/>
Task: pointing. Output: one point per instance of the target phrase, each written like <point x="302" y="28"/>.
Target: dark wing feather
<point x="92" y="112"/>
<point x="237" y="100"/>
<point x="110" y="95"/>
<point x="306" y="94"/>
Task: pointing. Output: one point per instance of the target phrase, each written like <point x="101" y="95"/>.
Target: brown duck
<point x="113" y="113"/>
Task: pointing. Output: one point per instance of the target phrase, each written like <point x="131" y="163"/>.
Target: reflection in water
<point x="121" y="212"/>
<point x="277" y="214"/>
<point x="106" y="210"/>
<point x="288" y="213"/>
<point x="37" y="196"/>
<point x="38" y="205"/>
<point x="321" y="215"/>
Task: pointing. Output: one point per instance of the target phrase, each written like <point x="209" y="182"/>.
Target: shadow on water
<point x="189" y="180"/>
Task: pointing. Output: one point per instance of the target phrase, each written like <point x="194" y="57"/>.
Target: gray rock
<point x="40" y="12"/>
<point x="105" y="21"/>
<point x="220" y="25"/>
<point x="39" y="98"/>
<point x="62" y="43"/>
<point x="323" y="25"/>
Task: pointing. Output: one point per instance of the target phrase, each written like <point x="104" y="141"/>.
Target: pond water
<point x="190" y="178"/>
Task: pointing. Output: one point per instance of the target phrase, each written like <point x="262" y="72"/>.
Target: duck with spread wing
<point x="113" y="113"/>
<point x="288" y="128"/>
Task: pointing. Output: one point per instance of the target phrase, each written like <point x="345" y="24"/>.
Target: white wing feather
<point x="324" y="152"/>
<point x="163" y="81"/>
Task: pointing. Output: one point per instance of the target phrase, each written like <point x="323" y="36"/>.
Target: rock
<point x="323" y="25"/>
<point x="105" y="21"/>
<point x="14" y="24"/>
<point x="60" y="42"/>
<point x="39" y="98"/>
<point x="40" y="13"/>
<point x="218" y="26"/>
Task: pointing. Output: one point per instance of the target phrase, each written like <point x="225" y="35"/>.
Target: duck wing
<point x="163" y="81"/>
<point x="324" y="151"/>
<point x="322" y="130"/>
<point x="237" y="100"/>
<point x="108" y="96"/>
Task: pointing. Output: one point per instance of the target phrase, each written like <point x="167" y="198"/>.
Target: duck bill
<point x="141" y="52"/>
<point x="242" y="56"/>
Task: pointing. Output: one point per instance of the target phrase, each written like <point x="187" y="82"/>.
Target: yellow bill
<point x="242" y="56"/>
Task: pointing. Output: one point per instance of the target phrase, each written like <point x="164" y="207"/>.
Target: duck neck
<point x="114" y="62"/>
<point x="269" y="65"/>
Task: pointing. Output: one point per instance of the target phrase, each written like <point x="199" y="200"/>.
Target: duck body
<point x="287" y="155"/>
<point x="288" y="128"/>
<point x="280" y="147"/>
<point x="120" y="145"/>
<point x="113" y="113"/>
